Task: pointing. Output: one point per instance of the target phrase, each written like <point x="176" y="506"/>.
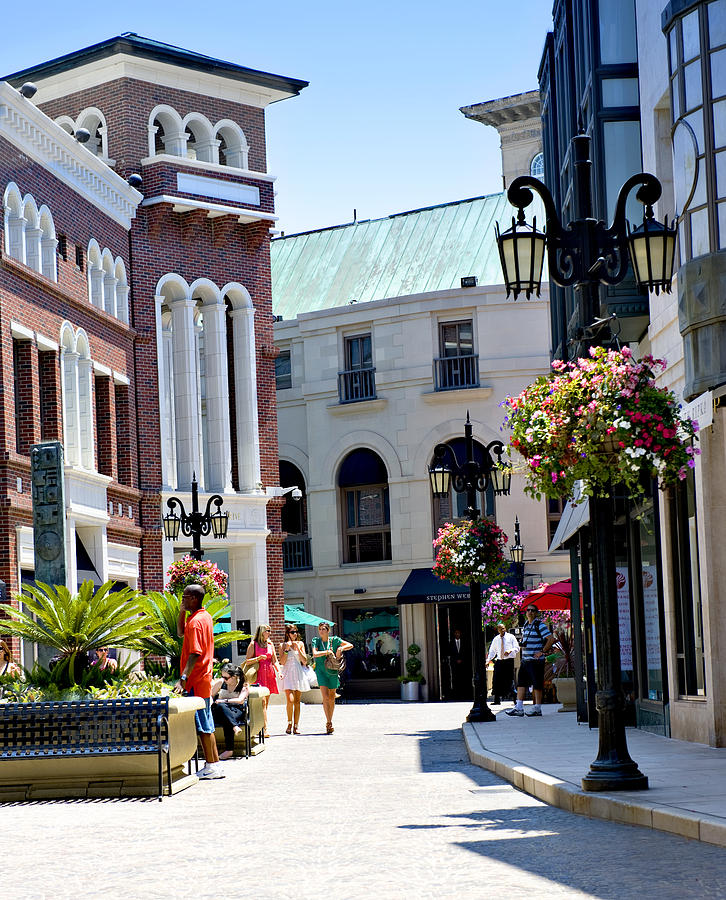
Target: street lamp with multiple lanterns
<point x="195" y="524"/>
<point x="584" y="255"/>
<point x="516" y="551"/>
<point x="468" y="477"/>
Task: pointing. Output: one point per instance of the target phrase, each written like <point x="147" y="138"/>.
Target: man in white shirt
<point x="502" y="650"/>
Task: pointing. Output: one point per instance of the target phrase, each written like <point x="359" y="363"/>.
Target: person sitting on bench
<point x="229" y="708"/>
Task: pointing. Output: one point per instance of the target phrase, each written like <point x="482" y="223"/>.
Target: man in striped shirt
<point x="536" y="641"/>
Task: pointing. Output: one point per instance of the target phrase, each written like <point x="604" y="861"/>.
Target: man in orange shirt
<point x="196" y="671"/>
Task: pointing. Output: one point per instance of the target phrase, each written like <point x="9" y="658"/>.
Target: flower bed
<point x="603" y="420"/>
<point x="470" y="551"/>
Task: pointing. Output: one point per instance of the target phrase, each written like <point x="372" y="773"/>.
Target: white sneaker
<point x="211" y="771"/>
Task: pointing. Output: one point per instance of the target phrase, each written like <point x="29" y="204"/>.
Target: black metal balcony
<point x="453" y="372"/>
<point x="357" y="384"/>
<point x="296" y="553"/>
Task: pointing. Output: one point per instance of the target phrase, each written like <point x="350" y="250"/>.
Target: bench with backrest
<point x="79" y="728"/>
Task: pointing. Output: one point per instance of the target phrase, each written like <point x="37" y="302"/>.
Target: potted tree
<point x="413" y="678"/>
<point x="563" y="665"/>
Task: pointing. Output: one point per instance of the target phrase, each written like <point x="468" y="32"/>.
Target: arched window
<point x="294" y="512"/>
<point x="536" y="167"/>
<point x="296" y="549"/>
<point x="200" y="143"/>
<point x="109" y="283"/>
<point x="166" y="132"/>
<point x="122" y="291"/>
<point x="363" y="484"/>
<point x="48" y="244"/>
<point x="14" y="223"/>
<point x="69" y="374"/>
<point x="94" y="121"/>
<point x="452" y="507"/>
<point x="233" y="146"/>
<point x="85" y="400"/>
<point x="32" y="233"/>
<point x="95" y="275"/>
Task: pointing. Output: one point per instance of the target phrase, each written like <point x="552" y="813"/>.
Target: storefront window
<point x="646" y="527"/>
<point x="374" y="632"/>
<point x="687" y="588"/>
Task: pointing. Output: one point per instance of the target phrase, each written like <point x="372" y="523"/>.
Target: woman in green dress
<point x="323" y="646"/>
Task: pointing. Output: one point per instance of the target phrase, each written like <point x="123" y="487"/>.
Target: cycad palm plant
<point x="161" y="612"/>
<point x="74" y="624"/>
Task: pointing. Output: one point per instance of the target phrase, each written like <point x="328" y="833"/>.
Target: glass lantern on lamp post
<point x="195" y="524"/>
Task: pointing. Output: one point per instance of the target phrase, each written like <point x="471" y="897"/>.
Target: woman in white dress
<point x="294" y="681"/>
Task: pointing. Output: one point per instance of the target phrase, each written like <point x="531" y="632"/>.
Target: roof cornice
<point x="134" y="45"/>
<point x="30" y="130"/>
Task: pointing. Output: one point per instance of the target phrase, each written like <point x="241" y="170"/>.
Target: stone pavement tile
<point x="388" y="807"/>
<point x="549" y="760"/>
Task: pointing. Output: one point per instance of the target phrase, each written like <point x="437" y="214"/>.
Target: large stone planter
<point x="112" y="775"/>
<point x="566" y="694"/>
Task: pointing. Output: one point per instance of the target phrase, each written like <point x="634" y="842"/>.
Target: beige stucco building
<point x="390" y="331"/>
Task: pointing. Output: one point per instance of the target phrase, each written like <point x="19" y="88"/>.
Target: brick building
<point x="136" y="325"/>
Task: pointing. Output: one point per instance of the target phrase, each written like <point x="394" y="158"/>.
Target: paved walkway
<point x="547" y="757"/>
<point x="388" y="807"/>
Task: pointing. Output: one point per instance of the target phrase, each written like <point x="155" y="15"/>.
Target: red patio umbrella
<point x="550" y="596"/>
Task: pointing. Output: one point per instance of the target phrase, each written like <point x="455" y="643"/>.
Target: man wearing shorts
<point x="196" y="672"/>
<point x="536" y="641"/>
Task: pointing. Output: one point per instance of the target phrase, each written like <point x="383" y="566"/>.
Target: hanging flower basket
<point x="603" y="420"/>
<point x="186" y="571"/>
<point x="501" y="603"/>
<point x="470" y="551"/>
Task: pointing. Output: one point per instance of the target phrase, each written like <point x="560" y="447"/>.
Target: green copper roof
<point x="413" y="252"/>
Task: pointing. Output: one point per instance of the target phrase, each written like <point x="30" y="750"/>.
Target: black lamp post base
<point x="480" y="712"/>
<point x="615" y="777"/>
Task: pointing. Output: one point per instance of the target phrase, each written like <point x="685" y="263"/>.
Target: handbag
<point x="335" y="664"/>
<point x="250" y="672"/>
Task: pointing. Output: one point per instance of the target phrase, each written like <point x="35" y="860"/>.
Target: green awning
<point x="296" y="615"/>
<point x="222" y="626"/>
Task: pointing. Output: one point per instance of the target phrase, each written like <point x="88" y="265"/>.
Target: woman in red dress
<point x="262" y="651"/>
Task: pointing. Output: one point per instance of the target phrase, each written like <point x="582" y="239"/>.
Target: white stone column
<point x="236" y="157"/>
<point x="186" y="402"/>
<point x="207" y="151"/>
<point x="122" y="302"/>
<point x="218" y="453"/>
<point x="109" y="293"/>
<point x="32" y="248"/>
<point x="71" y="424"/>
<point x="85" y="412"/>
<point x="48" y="247"/>
<point x="175" y="144"/>
<point x="95" y="279"/>
<point x="245" y="382"/>
<point x="16" y="240"/>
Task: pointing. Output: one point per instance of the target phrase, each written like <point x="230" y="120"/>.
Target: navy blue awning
<point x="422" y="586"/>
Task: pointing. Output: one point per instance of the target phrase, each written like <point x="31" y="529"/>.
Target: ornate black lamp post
<point x="468" y="478"/>
<point x="516" y="551"/>
<point x="584" y="255"/>
<point x="195" y="524"/>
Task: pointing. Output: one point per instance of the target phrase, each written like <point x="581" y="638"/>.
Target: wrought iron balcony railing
<point x="357" y="384"/>
<point x="296" y="553"/>
<point x="453" y="372"/>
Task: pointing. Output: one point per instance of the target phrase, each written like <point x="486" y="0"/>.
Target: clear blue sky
<point x="379" y="127"/>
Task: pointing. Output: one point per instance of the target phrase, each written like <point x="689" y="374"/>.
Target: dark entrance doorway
<point x="455" y="662"/>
